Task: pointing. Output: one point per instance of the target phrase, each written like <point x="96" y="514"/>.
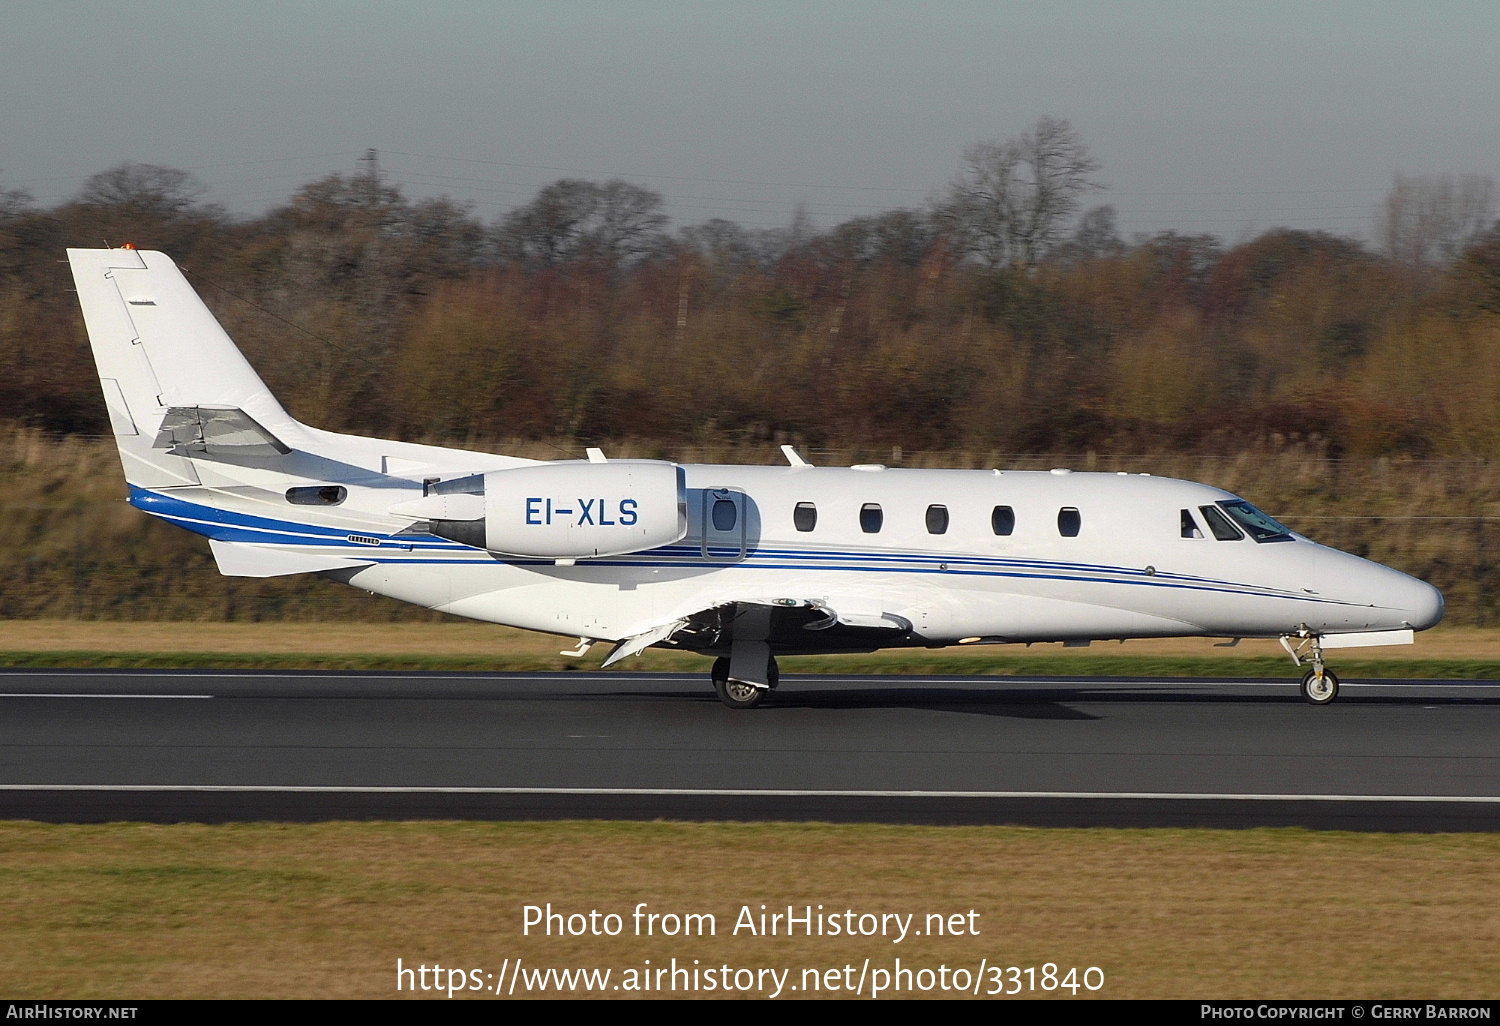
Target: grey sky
<point x="1208" y="116"/>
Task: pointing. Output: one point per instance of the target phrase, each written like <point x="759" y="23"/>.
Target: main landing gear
<point x="741" y="695"/>
<point x="1320" y="685"/>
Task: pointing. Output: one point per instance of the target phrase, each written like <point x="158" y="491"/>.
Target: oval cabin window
<point x="871" y="518"/>
<point x="724" y="514"/>
<point x="805" y="516"/>
<point x="1003" y="520"/>
<point x="1069" y="522"/>
<point x="937" y="519"/>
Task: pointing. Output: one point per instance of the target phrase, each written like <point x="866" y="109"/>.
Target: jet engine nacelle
<point x="574" y="510"/>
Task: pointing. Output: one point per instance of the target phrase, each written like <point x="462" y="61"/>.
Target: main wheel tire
<point x="1320" y="689"/>
<point x="735" y="694"/>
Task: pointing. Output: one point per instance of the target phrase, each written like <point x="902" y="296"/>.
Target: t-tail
<point x="204" y="443"/>
<point x="174" y="383"/>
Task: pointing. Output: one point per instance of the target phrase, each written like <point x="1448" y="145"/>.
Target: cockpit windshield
<point x="1257" y="524"/>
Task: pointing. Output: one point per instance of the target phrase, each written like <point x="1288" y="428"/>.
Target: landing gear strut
<point x="1320" y="685"/>
<point x="739" y="695"/>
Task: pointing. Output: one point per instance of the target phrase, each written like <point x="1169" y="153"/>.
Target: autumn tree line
<point x="1007" y="315"/>
<point x="1350" y="387"/>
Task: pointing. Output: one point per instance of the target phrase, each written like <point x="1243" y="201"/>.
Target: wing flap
<point x="641" y="642"/>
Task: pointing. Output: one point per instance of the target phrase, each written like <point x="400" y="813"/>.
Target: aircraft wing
<point x="789" y="624"/>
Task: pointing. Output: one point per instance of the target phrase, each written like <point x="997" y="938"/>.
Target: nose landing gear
<point x="1320" y="685"/>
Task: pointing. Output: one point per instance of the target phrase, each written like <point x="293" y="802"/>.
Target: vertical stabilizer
<point x="158" y="347"/>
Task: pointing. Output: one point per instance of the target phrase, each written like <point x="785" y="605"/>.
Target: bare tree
<point x="1429" y="219"/>
<point x="725" y="248"/>
<point x="902" y="237"/>
<point x="548" y="229"/>
<point x="1096" y="237"/>
<point x="628" y="221"/>
<point x="148" y="189"/>
<point x="720" y="240"/>
<point x="13" y="203"/>
<point x="1012" y="200"/>
<point x="572" y="218"/>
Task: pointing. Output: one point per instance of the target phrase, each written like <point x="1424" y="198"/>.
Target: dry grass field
<point x="260" y="910"/>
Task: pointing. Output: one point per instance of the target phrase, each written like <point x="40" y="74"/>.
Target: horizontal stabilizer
<point x="216" y="432"/>
<point x="241" y="559"/>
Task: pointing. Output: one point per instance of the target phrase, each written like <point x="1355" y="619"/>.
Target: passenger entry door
<point x="722" y="524"/>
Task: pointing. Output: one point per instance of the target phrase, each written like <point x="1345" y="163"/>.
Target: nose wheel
<point x="739" y="695"/>
<point x="1320" y="686"/>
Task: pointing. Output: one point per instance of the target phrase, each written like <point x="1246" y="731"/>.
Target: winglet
<point x="793" y="456"/>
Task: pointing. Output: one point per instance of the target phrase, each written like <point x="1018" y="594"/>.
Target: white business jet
<point x="740" y="563"/>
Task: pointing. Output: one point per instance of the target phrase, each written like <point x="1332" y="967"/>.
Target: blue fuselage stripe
<point x="232" y="526"/>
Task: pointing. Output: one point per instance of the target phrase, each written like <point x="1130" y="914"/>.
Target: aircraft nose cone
<point x="1389" y="599"/>
<point x="1411" y="602"/>
<point x="1423" y="604"/>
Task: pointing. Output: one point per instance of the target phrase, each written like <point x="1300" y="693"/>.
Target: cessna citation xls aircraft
<point x="740" y="563"/>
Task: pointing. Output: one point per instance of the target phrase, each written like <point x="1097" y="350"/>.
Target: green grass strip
<point x="923" y="664"/>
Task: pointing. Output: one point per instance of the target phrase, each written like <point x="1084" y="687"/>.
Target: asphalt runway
<point x="97" y="746"/>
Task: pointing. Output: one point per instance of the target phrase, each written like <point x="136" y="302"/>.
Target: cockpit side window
<point x="1257" y="524"/>
<point x="1189" y="525"/>
<point x="1219" y="524"/>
